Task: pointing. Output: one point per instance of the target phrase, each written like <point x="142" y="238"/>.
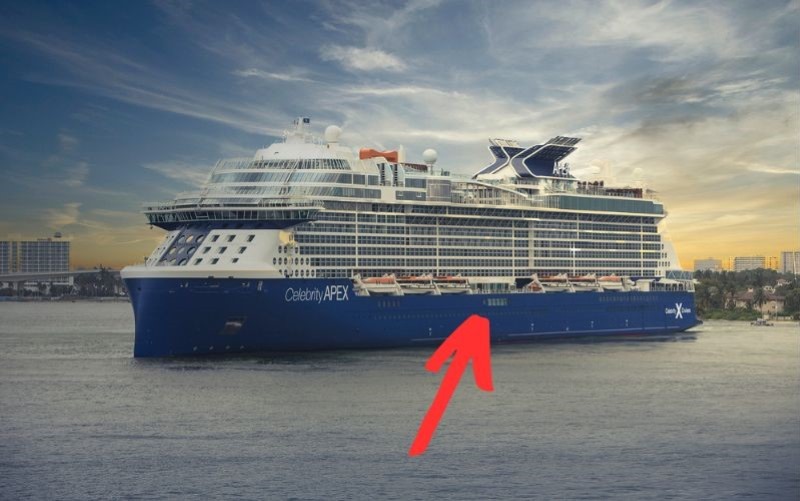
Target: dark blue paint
<point x="177" y="317"/>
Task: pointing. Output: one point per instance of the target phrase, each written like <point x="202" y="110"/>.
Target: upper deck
<point x="288" y="182"/>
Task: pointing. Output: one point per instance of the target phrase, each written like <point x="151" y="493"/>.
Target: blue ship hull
<point x="179" y="317"/>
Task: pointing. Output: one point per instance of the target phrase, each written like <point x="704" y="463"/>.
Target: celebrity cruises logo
<point x="678" y="311"/>
<point x="317" y="295"/>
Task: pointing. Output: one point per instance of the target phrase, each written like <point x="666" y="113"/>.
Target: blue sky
<point x="107" y="105"/>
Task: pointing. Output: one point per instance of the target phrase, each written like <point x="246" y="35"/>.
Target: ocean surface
<point x="710" y="415"/>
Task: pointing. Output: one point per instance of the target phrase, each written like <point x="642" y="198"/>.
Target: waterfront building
<point x="43" y="255"/>
<point x="771" y="262"/>
<point x="790" y="262"/>
<point x="709" y="264"/>
<point x="742" y="263"/>
<point x="773" y="303"/>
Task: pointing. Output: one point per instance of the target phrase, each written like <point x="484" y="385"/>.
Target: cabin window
<point x="231" y="237"/>
<point x="242" y="249"/>
<point x="250" y="238"/>
<point x="222" y="250"/>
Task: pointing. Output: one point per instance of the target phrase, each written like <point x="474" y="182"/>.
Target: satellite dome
<point x="429" y="156"/>
<point x="332" y="133"/>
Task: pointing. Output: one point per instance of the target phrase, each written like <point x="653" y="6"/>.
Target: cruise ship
<point x="313" y="245"/>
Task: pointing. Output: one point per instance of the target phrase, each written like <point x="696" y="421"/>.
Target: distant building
<point x="709" y="264"/>
<point x="44" y="255"/>
<point x="790" y="262"/>
<point x="772" y="305"/>
<point x="771" y="262"/>
<point x="727" y="263"/>
<point x="742" y="263"/>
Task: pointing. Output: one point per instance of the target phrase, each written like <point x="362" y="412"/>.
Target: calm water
<point x="715" y="415"/>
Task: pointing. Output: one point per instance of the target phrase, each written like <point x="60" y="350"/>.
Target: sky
<point x="108" y="105"/>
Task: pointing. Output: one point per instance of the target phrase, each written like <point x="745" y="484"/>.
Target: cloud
<point x="67" y="215"/>
<point x="266" y="75"/>
<point x="76" y="175"/>
<point x="183" y="171"/>
<point x="97" y="69"/>
<point x="67" y="142"/>
<point x="362" y="59"/>
<point x="766" y="169"/>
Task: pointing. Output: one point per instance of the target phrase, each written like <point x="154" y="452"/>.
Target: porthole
<point x="183" y="261"/>
<point x="274" y="260"/>
<point x="173" y="250"/>
<point x="172" y="261"/>
<point x="181" y="249"/>
<point x="280" y="249"/>
<point x="181" y="239"/>
<point x="191" y="250"/>
<point x="189" y="239"/>
<point x="200" y="238"/>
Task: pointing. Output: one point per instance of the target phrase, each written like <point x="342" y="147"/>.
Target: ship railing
<point x="173" y="205"/>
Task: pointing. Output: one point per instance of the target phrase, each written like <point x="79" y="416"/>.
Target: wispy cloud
<point x="59" y="218"/>
<point x="67" y="142"/>
<point x="186" y="172"/>
<point x="268" y="75"/>
<point x="77" y="174"/>
<point x="362" y="59"/>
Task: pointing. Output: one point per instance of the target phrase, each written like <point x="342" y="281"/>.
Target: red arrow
<point x="470" y="340"/>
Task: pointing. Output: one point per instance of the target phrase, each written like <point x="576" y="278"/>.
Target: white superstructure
<point x="304" y="207"/>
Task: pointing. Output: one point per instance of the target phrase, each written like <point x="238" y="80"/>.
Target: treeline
<point x="717" y="290"/>
<point x="102" y="283"/>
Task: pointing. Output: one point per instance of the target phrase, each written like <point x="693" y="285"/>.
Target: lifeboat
<point x="385" y="285"/>
<point x="585" y="283"/>
<point x="422" y="284"/>
<point x="615" y="283"/>
<point x="452" y="285"/>
<point x="556" y="283"/>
